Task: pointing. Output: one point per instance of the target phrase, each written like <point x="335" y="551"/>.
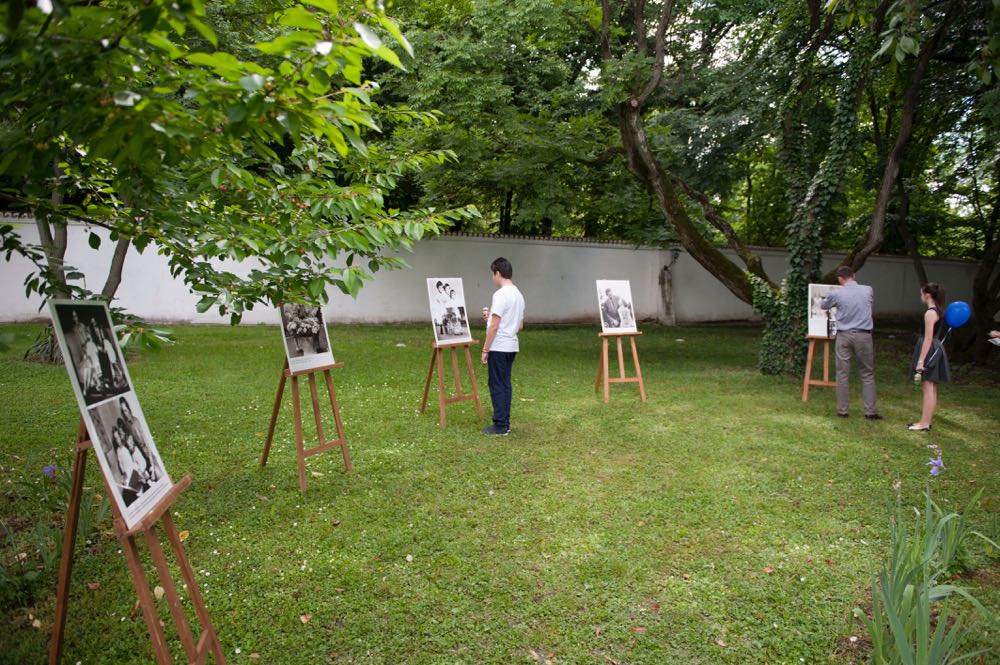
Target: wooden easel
<point x="437" y="360"/>
<point x="603" y="369"/>
<point x="809" y="381"/>
<point x="323" y="444"/>
<point x="208" y="642"/>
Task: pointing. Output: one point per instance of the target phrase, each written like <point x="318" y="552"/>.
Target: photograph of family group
<point x="307" y="344"/>
<point x="127" y="446"/>
<point x="448" y="314"/>
<point x="614" y="299"/>
<point x="822" y="322"/>
<point x="115" y="423"/>
<point x="90" y="348"/>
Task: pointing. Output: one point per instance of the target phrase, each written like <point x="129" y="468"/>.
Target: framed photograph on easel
<point x="614" y="300"/>
<point x="448" y="313"/>
<point x="822" y="322"/>
<point x="110" y="409"/>
<point x="307" y="344"/>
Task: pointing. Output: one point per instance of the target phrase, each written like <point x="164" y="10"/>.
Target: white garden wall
<point x="556" y="277"/>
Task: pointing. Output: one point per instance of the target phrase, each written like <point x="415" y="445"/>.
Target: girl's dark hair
<point x="935" y="291"/>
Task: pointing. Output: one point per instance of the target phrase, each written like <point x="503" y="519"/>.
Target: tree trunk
<point x="986" y="298"/>
<point x="644" y="165"/>
<point x="115" y="271"/>
<point x="903" y="226"/>
<point x="876" y="232"/>
<point x="505" y="212"/>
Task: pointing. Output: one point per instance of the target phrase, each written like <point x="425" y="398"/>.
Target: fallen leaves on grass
<point x="93" y="586"/>
<point x="305" y="618"/>
<point x="768" y="569"/>
<point x="544" y="660"/>
<point x="638" y="629"/>
<point x="184" y="535"/>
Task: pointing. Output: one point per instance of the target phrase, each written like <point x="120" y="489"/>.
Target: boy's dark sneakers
<point x="495" y="430"/>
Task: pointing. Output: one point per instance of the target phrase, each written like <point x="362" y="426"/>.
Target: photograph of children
<point x="306" y="342"/>
<point x="90" y="348"/>
<point x="822" y="322"/>
<point x="448" y="314"/>
<point x="128" y="455"/>
<point x="614" y="299"/>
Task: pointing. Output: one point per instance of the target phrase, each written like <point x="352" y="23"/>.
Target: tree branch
<point x="753" y="263"/>
<point x="605" y="30"/>
<point x="659" y="48"/>
<point x="639" y="19"/>
<point x="876" y="232"/>
<point x="115" y="270"/>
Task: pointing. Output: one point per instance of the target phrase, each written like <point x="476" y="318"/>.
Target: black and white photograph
<point x="449" y="316"/>
<point x="307" y="343"/>
<point x="128" y="455"/>
<point x="90" y="348"/>
<point x="822" y="322"/>
<point x="614" y="300"/>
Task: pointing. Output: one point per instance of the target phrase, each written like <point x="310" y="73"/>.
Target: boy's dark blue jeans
<point x="501" y="392"/>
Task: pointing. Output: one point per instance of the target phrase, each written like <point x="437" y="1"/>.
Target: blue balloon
<point x="957" y="314"/>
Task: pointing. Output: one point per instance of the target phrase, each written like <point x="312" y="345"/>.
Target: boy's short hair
<point x="502" y="266"/>
<point x="845" y="272"/>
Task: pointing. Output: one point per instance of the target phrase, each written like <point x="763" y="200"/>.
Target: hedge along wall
<point x="556" y="276"/>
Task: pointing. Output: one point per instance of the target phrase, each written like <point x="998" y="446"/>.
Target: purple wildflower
<point x="936" y="465"/>
<point x="49" y="471"/>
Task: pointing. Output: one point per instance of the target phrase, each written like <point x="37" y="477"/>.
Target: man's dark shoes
<point x="872" y="416"/>
<point x="496" y="430"/>
<point x="841" y="415"/>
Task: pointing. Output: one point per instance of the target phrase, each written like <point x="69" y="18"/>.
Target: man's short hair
<point x="502" y="266"/>
<point x="845" y="272"/>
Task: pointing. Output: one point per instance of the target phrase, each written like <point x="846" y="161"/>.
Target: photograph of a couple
<point x="306" y="342"/>
<point x="614" y="299"/>
<point x="130" y="455"/>
<point x="94" y="356"/>
<point x="448" y="313"/>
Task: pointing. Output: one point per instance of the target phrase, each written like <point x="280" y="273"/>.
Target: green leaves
<point x="211" y="155"/>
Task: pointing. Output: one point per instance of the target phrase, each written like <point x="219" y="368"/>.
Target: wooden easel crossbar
<point x="603" y="370"/>
<point x="808" y="380"/>
<point x="437" y="360"/>
<point x="322" y="443"/>
<point x="159" y="516"/>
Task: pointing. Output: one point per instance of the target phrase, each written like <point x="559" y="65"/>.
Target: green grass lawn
<point x="721" y="521"/>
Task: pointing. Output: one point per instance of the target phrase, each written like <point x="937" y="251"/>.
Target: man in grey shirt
<point x="854" y="338"/>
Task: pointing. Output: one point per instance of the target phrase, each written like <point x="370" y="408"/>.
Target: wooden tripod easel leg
<point x="441" y="397"/>
<point x="317" y="415"/>
<point x="472" y="377"/>
<point x="607" y="370"/>
<point x="809" y="366"/>
<point x="146" y="601"/>
<point x="337" y="420"/>
<point x="638" y="370"/>
<point x="299" y="443"/>
<point x="187" y="574"/>
<point x="274" y="416"/>
<point x="170" y="590"/>
<point x="69" y="546"/>
<point x="430" y="377"/>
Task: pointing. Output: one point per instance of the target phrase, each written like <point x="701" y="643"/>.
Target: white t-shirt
<point x="508" y="304"/>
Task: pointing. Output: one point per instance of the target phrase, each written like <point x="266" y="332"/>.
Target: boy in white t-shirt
<point x="505" y="318"/>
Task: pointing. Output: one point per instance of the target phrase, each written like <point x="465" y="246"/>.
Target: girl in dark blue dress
<point x="930" y="362"/>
